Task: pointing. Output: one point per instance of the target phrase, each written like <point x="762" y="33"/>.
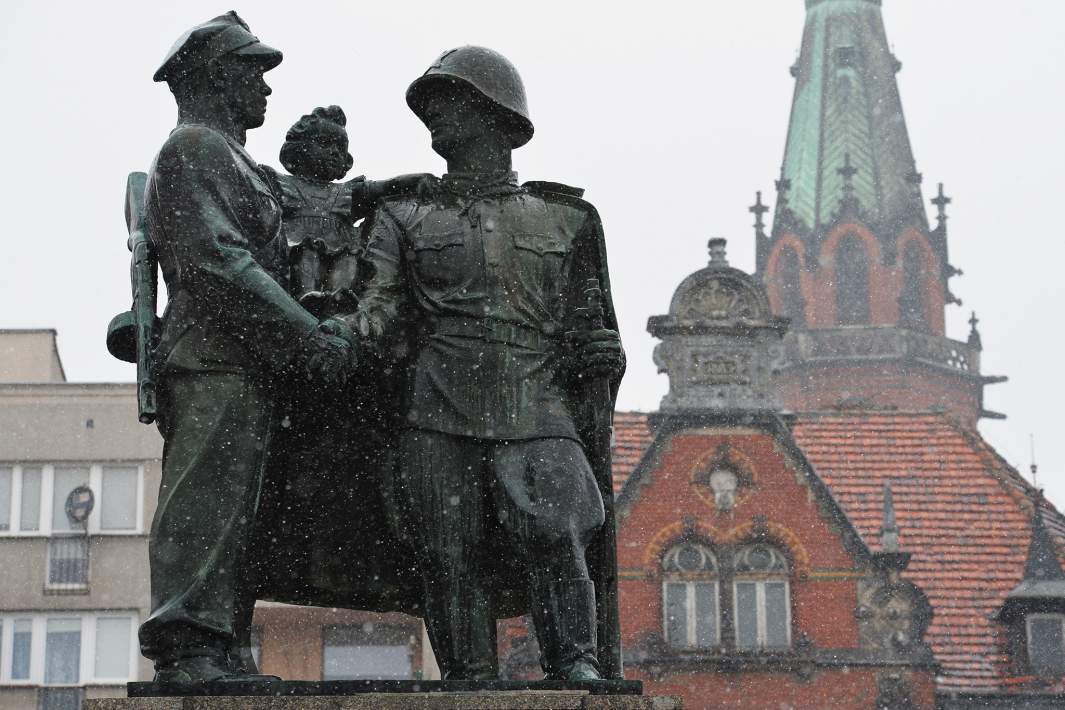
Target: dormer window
<point x="1046" y="644"/>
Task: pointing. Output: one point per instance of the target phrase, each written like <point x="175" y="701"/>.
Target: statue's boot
<point x="203" y="670"/>
<point x="565" y="619"/>
<point x="462" y="630"/>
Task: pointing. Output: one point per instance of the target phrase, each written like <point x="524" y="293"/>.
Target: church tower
<point x="851" y="257"/>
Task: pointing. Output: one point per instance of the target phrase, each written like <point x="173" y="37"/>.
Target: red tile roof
<point x="961" y="509"/>
<point x="632" y="436"/>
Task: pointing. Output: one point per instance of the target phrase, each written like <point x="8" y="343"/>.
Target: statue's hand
<point x="337" y="328"/>
<point x="596" y="353"/>
<point x="330" y="355"/>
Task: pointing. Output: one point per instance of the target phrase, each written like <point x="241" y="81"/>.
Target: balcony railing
<point x="872" y="343"/>
<point x="68" y="563"/>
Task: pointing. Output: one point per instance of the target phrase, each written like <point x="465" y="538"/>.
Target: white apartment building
<point x="71" y="594"/>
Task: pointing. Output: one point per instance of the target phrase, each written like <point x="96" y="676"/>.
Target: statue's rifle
<point x="131" y="335"/>
<point x="603" y="560"/>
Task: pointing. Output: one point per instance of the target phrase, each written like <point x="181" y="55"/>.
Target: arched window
<point x="690" y="597"/>
<point x="912" y="312"/>
<point x="761" y="598"/>
<point x="852" y="282"/>
<point x="789" y="285"/>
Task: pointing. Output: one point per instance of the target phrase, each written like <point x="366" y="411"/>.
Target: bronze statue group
<point x="389" y="395"/>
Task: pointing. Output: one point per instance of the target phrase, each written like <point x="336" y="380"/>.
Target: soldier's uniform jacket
<point x="214" y="221"/>
<point x="490" y="275"/>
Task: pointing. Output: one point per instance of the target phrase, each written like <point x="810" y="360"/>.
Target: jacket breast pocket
<point x="539" y="260"/>
<point x="439" y="260"/>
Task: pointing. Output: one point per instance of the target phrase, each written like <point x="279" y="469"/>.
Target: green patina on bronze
<point x="847" y="103"/>
<point x="414" y="416"/>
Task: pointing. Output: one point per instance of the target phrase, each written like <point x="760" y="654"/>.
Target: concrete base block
<point x="476" y="700"/>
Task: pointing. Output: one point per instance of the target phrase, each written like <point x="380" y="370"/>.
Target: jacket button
<point x="489" y="225"/>
<point x="438" y="244"/>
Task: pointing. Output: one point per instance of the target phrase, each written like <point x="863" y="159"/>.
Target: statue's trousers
<point x="216" y="429"/>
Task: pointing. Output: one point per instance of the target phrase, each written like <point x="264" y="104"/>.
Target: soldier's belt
<point x="539" y="336"/>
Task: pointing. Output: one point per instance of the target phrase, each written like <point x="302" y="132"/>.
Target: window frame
<point x="845" y="277"/>
<point x="87" y="662"/>
<point x="726" y="579"/>
<point x="378" y="635"/>
<point x="47" y="493"/>
<point x="761" y="611"/>
<point x="690" y="603"/>
<point x="1060" y="618"/>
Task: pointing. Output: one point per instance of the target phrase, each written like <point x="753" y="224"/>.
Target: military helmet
<point x="488" y="73"/>
<point x="225" y="34"/>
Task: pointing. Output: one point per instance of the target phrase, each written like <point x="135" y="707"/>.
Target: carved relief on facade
<point x="718" y="298"/>
<point x="721" y="480"/>
<point x="717" y="367"/>
<point x="892" y="616"/>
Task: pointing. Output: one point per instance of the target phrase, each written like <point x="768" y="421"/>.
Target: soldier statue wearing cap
<point x="228" y="332"/>
<point x="493" y="475"/>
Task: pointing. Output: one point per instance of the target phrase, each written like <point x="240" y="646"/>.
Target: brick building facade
<point x="835" y="431"/>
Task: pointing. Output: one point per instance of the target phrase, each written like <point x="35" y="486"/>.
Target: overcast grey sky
<point x="671" y="114"/>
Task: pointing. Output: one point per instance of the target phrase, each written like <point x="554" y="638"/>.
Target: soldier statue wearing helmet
<point x="480" y="284"/>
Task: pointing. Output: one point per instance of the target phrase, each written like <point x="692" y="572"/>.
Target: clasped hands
<point x="329" y="353"/>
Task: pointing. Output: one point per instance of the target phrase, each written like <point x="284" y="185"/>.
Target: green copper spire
<point x="847" y="103"/>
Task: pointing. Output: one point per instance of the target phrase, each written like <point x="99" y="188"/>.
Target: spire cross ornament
<point x="941" y="201"/>
<point x="848" y="171"/>
<point x="758" y="210"/>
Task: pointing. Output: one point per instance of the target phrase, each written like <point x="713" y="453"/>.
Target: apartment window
<point x="366" y="651"/>
<point x="67" y="650"/>
<point x="21" y="639"/>
<point x="690" y="593"/>
<point x="33" y="498"/>
<point x="6" y="475"/>
<point x="62" y="651"/>
<point x="1046" y="644"/>
<point x="66" y="479"/>
<point x="760" y="597"/>
<point x="68" y="562"/>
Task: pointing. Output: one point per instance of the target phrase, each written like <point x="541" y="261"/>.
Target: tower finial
<point x="889" y="529"/>
<point x="758" y="210"/>
<point x="1032" y="467"/>
<point x="1042" y="561"/>
<point x="716" y="246"/>
<point x="941" y="201"/>
<point x="974" y="334"/>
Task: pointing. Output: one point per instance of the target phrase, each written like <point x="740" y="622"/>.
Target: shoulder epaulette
<point x="547" y="189"/>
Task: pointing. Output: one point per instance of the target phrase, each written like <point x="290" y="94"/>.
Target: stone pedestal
<point x="393" y="695"/>
<point x="480" y="700"/>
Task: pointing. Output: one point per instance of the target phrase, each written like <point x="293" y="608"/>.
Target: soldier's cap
<point x="486" y="72"/>
<point x="225" y="34"/>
